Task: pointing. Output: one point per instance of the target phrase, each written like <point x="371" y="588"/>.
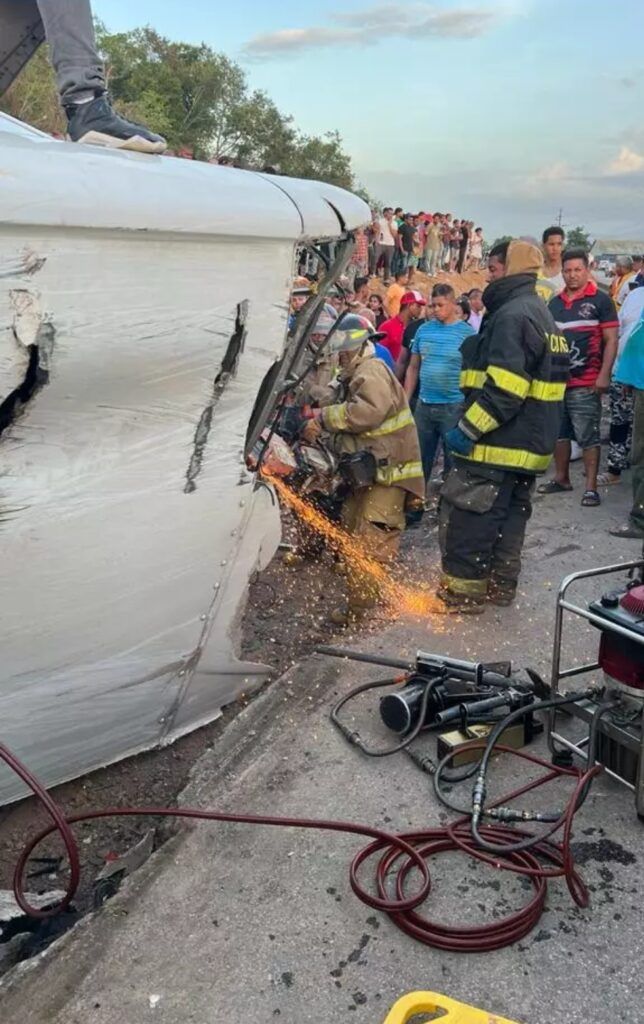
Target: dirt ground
<point x="424" y="283"/>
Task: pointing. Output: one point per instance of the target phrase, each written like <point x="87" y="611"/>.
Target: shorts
<point x="581" y="417"/>
<point x="408" y="261"/>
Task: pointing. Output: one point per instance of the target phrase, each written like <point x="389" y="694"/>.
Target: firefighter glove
<point x="458" y="441"/>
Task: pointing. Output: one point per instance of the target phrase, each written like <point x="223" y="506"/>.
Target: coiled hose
<point x="394" y="856"/>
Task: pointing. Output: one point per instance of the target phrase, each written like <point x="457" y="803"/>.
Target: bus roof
<point x="51" y="183"/>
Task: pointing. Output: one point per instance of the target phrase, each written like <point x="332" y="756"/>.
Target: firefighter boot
<point x="501" y="592"/>
<point x="460" y="604"/>
<point x="348" y="616"/>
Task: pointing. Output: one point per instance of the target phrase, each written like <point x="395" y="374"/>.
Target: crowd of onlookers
<point x="401" y="243"/>
<point x="420" y="337"/>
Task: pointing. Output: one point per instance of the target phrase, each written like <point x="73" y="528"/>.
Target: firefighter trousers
<point x="482" y="523"/>
<point x="376" y="516"/>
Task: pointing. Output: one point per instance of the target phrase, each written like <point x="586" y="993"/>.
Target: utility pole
<point x="560" y="216"/>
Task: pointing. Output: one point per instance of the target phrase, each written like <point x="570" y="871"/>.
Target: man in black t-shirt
<point x="405" y="353"/>
<point x="406" y="244"/>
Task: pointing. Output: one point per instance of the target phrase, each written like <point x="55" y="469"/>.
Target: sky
<point x="500" y="111"/>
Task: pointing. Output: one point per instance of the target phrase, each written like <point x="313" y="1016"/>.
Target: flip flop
<point x="553" y="487"/>
<point x="606" y="480"/>
<point x="591" y="499"/>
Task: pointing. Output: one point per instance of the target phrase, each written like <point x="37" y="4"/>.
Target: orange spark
<point x="415" y="602"/>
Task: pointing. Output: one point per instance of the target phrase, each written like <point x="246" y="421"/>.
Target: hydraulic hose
<point x="394" y="856"/>
<point x="62" y="823"/>
<point x="353" y="736"/>
<point x="487" y="747"/>
<point x="479" y="791"/>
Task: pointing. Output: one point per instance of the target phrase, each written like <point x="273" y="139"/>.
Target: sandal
<point x="608" y="480"/>
<point x="553" y="487"/>
<point x="591" y="499"/>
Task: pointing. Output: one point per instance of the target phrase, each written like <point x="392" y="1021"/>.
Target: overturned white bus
<point x="143" y="302"/>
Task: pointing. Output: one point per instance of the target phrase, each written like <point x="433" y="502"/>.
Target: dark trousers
<point x="637" y="459"/>
<point x="433" y="420"/>
<point x="482" y="523"/>
<point x="69" y="30"/>
<point x="621" y="427"/>
<point x="385" y="252"/>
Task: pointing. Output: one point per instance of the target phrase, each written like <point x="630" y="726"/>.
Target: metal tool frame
<point x="631" y="738"/>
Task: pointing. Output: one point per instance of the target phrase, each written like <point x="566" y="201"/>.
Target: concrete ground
<point x="229" y="923"/>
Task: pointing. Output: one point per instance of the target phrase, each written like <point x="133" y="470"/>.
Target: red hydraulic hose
<point x="398" y="855"/>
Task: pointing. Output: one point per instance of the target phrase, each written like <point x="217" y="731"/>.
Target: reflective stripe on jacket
<point x="375" y="416"/>
<point x="514" y="379"/>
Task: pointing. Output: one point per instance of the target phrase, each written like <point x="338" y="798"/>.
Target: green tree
<point x="578" y="238"/>
<point x="501" y="241"/>
<point x="190" y="94"/>
<point x="319" y="157"/>
<point x="33" y="96"/>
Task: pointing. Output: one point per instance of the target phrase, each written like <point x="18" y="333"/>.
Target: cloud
<point x="560" y="171"/>
<point x="375" y="24"/>
<point x="626" y="162"/>
<point x="501" y="204"/>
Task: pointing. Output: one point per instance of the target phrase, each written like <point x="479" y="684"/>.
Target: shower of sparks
<point x="416" y="602"/>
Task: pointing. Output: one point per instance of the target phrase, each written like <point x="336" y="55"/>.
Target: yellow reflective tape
<point x="545" y="391"/>
<point x="508" y="381"/>
<point x="335" y="416"/>
<point x="458" y="585"/>
<point x="545" y="290"/>
<point x="480" y="419"/>
<point x="472" y="378"/>
<point x="391" y="425"/>
<point x="390" y="475"/>
<point x="511" y="458"/>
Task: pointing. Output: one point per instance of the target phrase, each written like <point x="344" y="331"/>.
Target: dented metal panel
<point x="142" y="303"/>
<point x="115" y="575"/>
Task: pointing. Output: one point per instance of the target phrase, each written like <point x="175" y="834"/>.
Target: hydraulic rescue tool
<point x="437" y="692"/>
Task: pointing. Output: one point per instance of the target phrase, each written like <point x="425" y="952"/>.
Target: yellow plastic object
<point x="451" y="1012"/>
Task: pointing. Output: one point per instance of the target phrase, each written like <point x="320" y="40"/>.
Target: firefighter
<point x="372" y="427"/>
<point x="315" y="386"/>
<point x="514" y="379"/>
<point x="316" y="389"/>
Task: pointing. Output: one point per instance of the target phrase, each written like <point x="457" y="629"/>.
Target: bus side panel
<point x="127" y="518"/>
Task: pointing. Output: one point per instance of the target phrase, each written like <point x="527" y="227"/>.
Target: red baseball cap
<point x="413" y="298"/>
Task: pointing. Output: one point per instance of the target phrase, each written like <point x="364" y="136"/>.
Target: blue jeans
<point x="432" y="423"/>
